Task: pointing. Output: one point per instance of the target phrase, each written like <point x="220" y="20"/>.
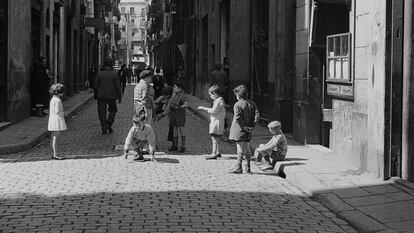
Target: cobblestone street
<point x="96" y="190"/>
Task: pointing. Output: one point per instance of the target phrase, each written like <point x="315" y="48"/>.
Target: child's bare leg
<point x="238" y="167"/>
<point x="214" y="144"/>
<point x="247" y="155"/>
<point x="182" y="136"/>
<point x="53" y="142"/>
<point x="218" y="150"/>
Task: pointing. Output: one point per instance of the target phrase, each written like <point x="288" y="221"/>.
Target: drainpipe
<point x="408" y="95"/>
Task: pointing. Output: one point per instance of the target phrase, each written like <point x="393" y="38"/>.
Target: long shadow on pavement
<point x="167" y="211"/>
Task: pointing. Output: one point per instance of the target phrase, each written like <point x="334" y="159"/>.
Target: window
<point x="123" y="10"/>
<point x="132" y="21"/>
<point x="338" y="68"/>
<point x="123" y="28"/>
<point x="131" y="10"/>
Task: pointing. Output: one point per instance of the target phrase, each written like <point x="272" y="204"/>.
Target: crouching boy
<point x="275" y="149"/>
<point x="140" y="135"/>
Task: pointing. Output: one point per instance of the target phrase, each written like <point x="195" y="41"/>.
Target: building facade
<point x="335" y="72"/>
<point x="54" y="29"/>
<point x="133" y="25"/>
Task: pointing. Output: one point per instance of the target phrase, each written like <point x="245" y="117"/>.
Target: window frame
<point x="339" y="86"/>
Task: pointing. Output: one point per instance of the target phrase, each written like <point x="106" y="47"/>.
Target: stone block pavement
<point x="96" y="190"/>
<point x="366" y="202"/>
<point x="29" y="132"/>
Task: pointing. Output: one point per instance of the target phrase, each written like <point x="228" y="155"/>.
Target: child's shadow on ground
<point x="159" y="160"/>
<point x="167" y="160"/>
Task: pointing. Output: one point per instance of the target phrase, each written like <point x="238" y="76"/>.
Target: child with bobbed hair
<point x="56" y="121"/>
<point x="275" y="149"/>
<point x="217" y="115"/>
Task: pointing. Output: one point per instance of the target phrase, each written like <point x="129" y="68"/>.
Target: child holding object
<point x="217" y="115"/>
<point x="275" y="149"/>
<point x="176" y="113"/>
<point x="140" y="135"/>
<point x="246" y="116"/>
<point x="57" y="121"/>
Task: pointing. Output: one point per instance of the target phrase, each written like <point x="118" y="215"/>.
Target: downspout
<point x="251" y="51"/>
<point x="408" y="95"/>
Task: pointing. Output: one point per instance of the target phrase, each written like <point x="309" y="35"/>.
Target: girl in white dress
<point x="56" y="116"/>
<point x="217" y="116"/>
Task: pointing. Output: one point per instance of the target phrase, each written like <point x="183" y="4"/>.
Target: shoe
<point x="236" y="170"/>
<point x="145" y="152"/>
<point x="247" y="168"/>
<point x="218" y="155"/>
<point x="139" y="158"/>
<point x="212" y="156"/>
<point x="110" y="130"/>
<point x="265" y="167"/>
<point x="181" y="150"/>
<point x="55" y="157"/>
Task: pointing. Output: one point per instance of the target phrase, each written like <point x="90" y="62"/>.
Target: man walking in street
<point x="107" y="90"/>
<point x="219" y="78"/>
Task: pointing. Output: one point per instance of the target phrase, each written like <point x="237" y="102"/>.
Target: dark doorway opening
<point x="329" y="18"/>
<point x="393" y="88"/>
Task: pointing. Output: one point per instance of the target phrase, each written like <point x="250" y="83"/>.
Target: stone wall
<point x="358" y="127"/>
<point x="19" y="60"/>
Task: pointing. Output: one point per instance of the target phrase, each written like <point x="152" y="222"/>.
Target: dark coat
<point x="107" y="85"/>
<point x="220" y="79"/>
<point x="246" y="115"/>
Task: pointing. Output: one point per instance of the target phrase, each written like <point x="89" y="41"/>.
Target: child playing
<point x="139" y="135"/>
<point x="144" y="95"/>
<point x="217" y="116"/>
<point x="162" y="101"/>
<point x="276" y="148"/>
<point x="176" y="111"/>
<point x="246" y="115"/>
<point x="56" y="116"/>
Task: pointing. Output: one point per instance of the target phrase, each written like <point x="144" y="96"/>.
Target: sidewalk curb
<point x="29" y="143"/>
<point x="309" y="184"/>
<point x="360" y="221"/>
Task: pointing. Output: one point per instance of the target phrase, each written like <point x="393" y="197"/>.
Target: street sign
<point x="98" y="23"/>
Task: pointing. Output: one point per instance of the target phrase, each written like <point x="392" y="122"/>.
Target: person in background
<point x="219" y="78"/>
<point x="91" y="77"/>
<point x="122" y="74"/>
<point x="107" y="89"/>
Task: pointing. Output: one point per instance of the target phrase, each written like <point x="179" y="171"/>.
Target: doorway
<point x="394" y="88"/>
<point x="3" y="61"/>
<point x="320" y="103"/>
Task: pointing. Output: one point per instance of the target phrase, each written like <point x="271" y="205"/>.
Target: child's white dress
<point x="56" y="115"/>
<point x="217" y="116"/>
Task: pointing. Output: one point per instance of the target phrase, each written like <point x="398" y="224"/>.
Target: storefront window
<point x="338" y="59"/>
